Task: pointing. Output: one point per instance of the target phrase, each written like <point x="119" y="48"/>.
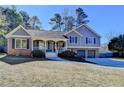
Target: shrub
<point x="115" y="54"/>
<point x="1" y="50"/>
<point x="70" y="55"/>
<point x="38" y="54"/>
<point x="67" y="54"/>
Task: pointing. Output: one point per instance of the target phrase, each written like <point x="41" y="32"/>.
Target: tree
<point x="35" y="23"/>
<point x="56" y="22"/>
<point x="26" y="19"/>
<point x="13" y="18"/>
<point x="113" y="44"/>
<point x="69" y="23"/>
<point x="117" y="44"/>
<point x="2" y="29"/>
<point x="80" y="17"/>
<point x="10" y="18"/>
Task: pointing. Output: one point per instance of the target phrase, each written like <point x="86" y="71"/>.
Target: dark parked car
<point x="3" y="49"/>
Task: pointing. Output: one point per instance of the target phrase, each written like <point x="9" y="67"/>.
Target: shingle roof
<point x="45" y="34"/>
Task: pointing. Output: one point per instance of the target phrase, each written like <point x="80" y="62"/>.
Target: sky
<point x="107" y="21"/>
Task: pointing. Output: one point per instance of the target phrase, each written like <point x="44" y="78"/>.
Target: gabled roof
<point x="47" y="34"/>
<point x="93" y="31"/>
<point x="37" y="33"/>
<point x="73" y="31"/>
<point x="16" y="29"/>
<point x="83" y="25"/>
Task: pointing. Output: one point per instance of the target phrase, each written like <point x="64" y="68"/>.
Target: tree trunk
<point x="59" y="27"/>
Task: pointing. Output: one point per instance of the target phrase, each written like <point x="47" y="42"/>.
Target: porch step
<point x="51" y="54"/>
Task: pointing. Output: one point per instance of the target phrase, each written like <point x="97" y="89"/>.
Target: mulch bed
<point x="19" y="59"/>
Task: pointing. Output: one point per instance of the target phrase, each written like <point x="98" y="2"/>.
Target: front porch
<point x="50" y="47"/>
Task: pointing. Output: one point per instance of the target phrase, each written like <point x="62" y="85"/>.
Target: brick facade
<point x="21" y="52"/>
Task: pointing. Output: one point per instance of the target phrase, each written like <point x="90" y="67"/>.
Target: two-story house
<point x="83" y="40"/>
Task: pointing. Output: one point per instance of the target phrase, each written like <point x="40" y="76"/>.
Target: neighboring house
<point x="104" y="51"/>
<point x="83" y="40"/>
<point x="104" y="48"/>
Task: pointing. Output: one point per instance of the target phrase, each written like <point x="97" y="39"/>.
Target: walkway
<point x="107" y="62"/>
<point x="57" y="59"/>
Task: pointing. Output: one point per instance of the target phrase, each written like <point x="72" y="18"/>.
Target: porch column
<point x="52" y="46"/>
<point x="66" y="45"/>
<point x="32" y="44"/>
<point x="45" y="46"/>
<point x="56" y="47"/>
<point x="86" y="53"/>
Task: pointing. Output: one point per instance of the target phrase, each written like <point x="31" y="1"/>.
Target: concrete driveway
<point x="57" y="59"/>
<point x="107" y="62"/>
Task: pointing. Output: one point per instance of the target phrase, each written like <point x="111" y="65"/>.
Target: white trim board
<point x="81" y="47"/>
<point x="20" y="36"/>
<point x="16" y="29"/>
<point x="73" y="31"/>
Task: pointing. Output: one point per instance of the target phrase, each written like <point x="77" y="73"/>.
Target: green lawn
<point x="49" y="73"/>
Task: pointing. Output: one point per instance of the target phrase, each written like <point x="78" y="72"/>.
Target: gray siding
<point x="21" y="32"/>
<point x="82" y="40"/>
<point x="78" y="39"/>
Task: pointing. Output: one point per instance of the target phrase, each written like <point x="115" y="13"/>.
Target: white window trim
<point x="72" y="40"/>
<point x="21" y="43"/>
<point x="92" y="43"/>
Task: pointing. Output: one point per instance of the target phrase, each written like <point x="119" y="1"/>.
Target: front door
<point x="50" y="46"/>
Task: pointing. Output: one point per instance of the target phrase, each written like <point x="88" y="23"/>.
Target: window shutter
<point x="27" y="43"/>
<point x="94" y="40"/>
<point x="76" y="40"/>
<point x="70" y="39"/>
<point x="13" y="43"/>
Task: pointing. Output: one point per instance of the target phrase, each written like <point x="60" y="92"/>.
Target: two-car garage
<point x="86" y="53"/>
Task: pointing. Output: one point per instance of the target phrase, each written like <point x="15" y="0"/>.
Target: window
<point x="90" y="40"/>
<point x="24" y="44"/>
<point x="73" y="39"/>
<point x="21" y="44"/>
<point x="18" y="43"/>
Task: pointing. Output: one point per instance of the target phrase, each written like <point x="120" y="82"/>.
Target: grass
<point x="1" y="53"/>
<point x="60" y="74"/>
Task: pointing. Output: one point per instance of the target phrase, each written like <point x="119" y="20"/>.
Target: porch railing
<point x="58" y="50"/>
<point x="39" y="48"/>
